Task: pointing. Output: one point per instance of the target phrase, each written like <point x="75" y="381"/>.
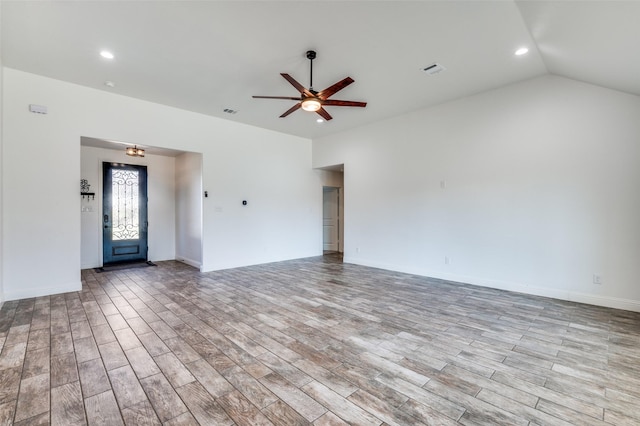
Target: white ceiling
<point x="205" y="56"/>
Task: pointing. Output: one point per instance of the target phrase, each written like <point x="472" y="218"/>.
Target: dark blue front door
<point x="124" y="213"/>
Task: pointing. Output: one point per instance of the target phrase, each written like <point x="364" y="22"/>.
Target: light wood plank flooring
<point x="312" y="341"/>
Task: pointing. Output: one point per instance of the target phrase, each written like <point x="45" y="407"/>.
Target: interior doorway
<point x="331" y="219"/>
<point x="333" y="199"/>
<point x="173" y="222"/>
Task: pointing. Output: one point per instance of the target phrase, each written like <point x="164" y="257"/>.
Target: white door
<point x="330" y="218"/>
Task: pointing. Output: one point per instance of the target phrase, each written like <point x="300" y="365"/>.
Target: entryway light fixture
<point x="134" y="151"/>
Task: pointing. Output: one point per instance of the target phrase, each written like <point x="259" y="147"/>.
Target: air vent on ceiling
<point x="230" y="111"/>
<point x="434" y="69"/>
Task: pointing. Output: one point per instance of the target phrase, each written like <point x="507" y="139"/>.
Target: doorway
<point x="330" y="219"/>
<point x="124" y="213"/>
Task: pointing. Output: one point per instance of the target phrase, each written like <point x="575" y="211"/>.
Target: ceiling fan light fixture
<point x="311" y="105"/>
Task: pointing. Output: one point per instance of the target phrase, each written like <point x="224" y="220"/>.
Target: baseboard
<point x="41" y="291"/>
<point x="189" y="262"/>
<point x="206" y="267"/>
<point x="560" y="294"/>
<point x="608" y="302"/>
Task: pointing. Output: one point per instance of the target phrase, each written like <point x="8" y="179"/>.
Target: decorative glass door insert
<point x="125" y="212"/>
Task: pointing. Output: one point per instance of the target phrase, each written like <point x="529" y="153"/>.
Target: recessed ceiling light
<point x="109" y="83"/>
<point x="521" y="51"/>
<point x="106" y="54"/>
<point x="319" y="120"/>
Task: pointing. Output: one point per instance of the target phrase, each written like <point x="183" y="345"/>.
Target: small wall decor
<point x="84" y="190"/>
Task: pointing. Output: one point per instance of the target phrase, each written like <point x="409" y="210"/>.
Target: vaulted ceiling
<point x="205" y="56"/>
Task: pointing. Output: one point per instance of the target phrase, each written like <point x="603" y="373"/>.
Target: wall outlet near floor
<point x="597" y="279"/>
<point x="447" y="260"/>
<point x="357" y="249"/>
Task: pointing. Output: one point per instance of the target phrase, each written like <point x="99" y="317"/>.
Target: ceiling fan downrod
<point x="311" y="55"/>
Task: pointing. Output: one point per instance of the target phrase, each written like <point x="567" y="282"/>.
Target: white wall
<point x="161" y="206"/>
<point x="541" y="191"/>
<point x="1" y="172"/>
<point x="189" y="208"/>
<point x="331" y="178"/>
<point x="41" y="165"/>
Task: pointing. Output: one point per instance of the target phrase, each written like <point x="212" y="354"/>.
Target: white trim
<point x="190" y="262"/>
<point x="608" y="302"/>
<point x="42" y="291"/>
<point x="554" y="293"/>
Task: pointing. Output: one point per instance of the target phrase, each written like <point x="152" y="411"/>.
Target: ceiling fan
<point x="311" y="100"/>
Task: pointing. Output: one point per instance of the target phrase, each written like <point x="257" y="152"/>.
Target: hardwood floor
<point x="312" y="341"/>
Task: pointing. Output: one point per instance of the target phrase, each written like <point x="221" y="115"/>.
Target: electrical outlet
<point x="597" y="279"/>
<point x="447" y="260"/>
<point x="357" y="249"/>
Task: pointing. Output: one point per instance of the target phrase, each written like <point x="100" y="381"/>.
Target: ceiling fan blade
<point x="324" y="94"/>
<point x="277" y="97"/>
<point x="324" y="114"/>
<point x="336" y="102"/>
<point x="297" y="85"/>
<point x="292" y="109"/>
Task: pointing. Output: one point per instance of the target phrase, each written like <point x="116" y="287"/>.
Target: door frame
<point x="144" y="211"/>
<point x="339" y="227"/>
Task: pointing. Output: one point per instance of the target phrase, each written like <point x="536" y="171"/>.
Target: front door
<point x="124" y="213"/>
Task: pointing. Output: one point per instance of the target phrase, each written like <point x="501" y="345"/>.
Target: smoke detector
<point x="434" y="69"/>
